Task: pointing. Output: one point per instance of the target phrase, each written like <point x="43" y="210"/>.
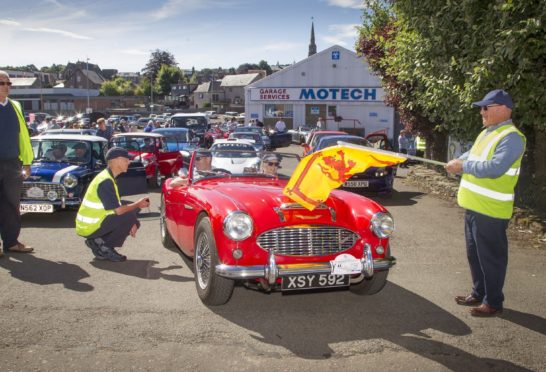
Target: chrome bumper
<point x="272" y="271"/>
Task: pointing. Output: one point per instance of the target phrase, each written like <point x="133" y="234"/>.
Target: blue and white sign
<point x="337" y="94"/>
<point x="314" y="110"/>
<point x="254" y="115"/>
<point x="335" y="55"/>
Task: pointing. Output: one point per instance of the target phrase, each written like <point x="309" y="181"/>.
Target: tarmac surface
<point x="63" y="311"/>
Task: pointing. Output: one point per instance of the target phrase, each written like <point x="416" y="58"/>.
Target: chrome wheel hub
<point x="203" y="261"/>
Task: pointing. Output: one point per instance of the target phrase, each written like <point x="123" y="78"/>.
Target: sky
<point x="121" y="34"/>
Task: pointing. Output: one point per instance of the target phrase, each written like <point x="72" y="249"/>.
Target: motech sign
<point x="317" y="94"/>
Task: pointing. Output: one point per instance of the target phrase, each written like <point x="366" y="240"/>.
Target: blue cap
<point x="497" y="96"/>
<point x="117" y="152"/>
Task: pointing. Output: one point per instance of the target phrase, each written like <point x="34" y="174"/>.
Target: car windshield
<point x="144" y="144"/>
<point x="69" y="151"/>
<point x="246" y="135"/>
<point x="249" y="129"/>
<point x="185" y="121"/>
<point x="182" y="136"/>
<point x="198" y="128"/>
<point x="332" y="141"/>
<point x="241" y="160"/>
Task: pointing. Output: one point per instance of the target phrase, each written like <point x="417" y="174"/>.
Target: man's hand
<point x="143" y="203"/>
<point x="455" y="166"/>
<point x="26" y="171"/>
<point x="179" y="181"/>
<point x="133" y="230"/>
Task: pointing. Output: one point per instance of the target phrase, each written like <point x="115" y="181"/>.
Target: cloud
<point x="55" y="2"/>
<point x="8" y="22"/>
<point x="174" y="7"/>
<point x="60" y="32"/>
<point x="281" y="46"/>
<point x="341" y="34"/>
<point x="355" y="4"/>
<point x="135" y="52"/>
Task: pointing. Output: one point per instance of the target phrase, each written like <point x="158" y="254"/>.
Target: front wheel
<point x="212" y="289"/>
<point x="156" y="180"/>
<point x="371" y="286"/>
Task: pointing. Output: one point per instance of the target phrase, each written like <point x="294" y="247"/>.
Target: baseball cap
<point x="117" y="152"/>
<point x="271" y="158"/>
<point x="497" y="96"/>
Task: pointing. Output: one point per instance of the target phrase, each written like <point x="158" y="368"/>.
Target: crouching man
<point x="101" y="219"/>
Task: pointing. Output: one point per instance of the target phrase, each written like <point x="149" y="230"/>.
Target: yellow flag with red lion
<point x="319" y="173"/>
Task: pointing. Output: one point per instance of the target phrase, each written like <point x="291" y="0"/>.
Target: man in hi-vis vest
<point x="490" y="172"/>
<point x="101" y="217"/>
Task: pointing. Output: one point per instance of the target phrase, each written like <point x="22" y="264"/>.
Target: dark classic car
<point x="63" y="167"/>
<point x="152" y="150"/>
<point x="238" y="226"/>
<point x="373" y="180"/>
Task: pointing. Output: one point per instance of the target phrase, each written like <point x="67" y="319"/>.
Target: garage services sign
<point x="343" y="94"/>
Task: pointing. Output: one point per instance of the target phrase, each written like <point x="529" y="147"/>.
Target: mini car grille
<point x="307" y="240"/>
<point x="45" y="187"/>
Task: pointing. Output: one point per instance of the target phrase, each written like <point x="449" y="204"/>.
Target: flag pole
<point x="392" y="153"/>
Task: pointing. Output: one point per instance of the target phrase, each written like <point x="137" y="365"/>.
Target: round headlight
<point x="70" y="181"/>
<point x="382" y="224"/>
<point x="52" y="195"/>
<point x="238" y="225"/>
<point x="381" y="172"/>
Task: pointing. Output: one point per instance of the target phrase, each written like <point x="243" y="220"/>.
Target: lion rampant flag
<point x="321" y="172"/>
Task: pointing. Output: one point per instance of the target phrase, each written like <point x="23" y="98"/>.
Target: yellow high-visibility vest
<point x="492" y="197"/>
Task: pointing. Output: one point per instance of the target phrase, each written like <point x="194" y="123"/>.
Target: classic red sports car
<point x="152" y="149"/>
<point x="238" y="226"/>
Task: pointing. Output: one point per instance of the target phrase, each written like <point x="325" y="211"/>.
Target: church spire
<point x="312" y="45"/>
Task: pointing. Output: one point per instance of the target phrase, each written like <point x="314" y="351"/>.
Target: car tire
<point x="370" y="286"/>
<point x="212" y="289"/>
<point x="156" y="180"/>
<point x="166" y="238"/>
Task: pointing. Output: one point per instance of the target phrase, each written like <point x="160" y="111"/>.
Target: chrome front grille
<point x="45" y="188"/>
<point x="307" y="240"/>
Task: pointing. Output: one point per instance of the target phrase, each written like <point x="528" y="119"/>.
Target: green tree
<point x="263" y="65"/>
<point x="157" y="59"/>
<point x="109" y="88"/>
<point x="168" y="75"/>
<point x="117" y="87"/>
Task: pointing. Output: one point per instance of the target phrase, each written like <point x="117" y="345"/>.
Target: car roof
<point x="138" y="134"/>
<point x="171" y="129"/>
<point x="233" y="140"/>
<point x="185" y="114"/>
<point x="73" y="137"/>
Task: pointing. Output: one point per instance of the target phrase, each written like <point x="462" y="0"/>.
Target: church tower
<point x="312" y="45"/>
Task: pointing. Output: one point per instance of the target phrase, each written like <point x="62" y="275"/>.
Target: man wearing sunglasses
<point x="15" y="155"/>
<point x="490" y="172"/>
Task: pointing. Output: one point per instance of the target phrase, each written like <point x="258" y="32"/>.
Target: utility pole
<point x="87" y="81"/>
<point x="151" y="95"/>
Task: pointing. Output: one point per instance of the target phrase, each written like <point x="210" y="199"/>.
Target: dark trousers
<point x="116" y="228"/>
<point x="487" y="252"/>
<point x="11" y="182"/>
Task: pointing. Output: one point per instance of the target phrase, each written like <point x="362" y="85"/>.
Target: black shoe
<point x="110" y="254"/>
<point x="95" y="248"/>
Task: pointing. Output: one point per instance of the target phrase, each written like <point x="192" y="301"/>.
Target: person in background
<point x="57" y="153"/>
<point x="403" y="145"/>
<point x="80" y="150"/>
<point x="280" y="125"/>
<point x="104" y="131"/>
<point x="121" y="126"/>
<point x="490" y="172"/>
<point x="15" y="158"/>
<point x="149" y="127"/>
<point x="102" y="219"/>
<point x="320" y="124"/>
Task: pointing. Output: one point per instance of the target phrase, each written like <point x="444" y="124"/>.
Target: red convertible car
<point x="238" y="226"/>
<point x="152" y="149"/>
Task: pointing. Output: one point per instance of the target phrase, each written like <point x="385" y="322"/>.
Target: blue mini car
<point x="63" y="167"/>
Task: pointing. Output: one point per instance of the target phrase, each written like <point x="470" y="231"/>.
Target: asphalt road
<point x="61" y="310"/>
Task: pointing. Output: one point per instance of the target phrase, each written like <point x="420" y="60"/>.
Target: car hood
<point x="53" y="172"/>
<point x="270" y="208"/>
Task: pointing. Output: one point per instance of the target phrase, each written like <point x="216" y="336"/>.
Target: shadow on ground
<point x="308" y="324"/>
<point x="144" y="269"/>
<point x="29" y="268"/>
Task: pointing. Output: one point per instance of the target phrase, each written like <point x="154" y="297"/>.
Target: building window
<point x="200" y="95"/>
<point x="215" y="97"/>
<point x="78" y="79"/>
<point x="278" y="111"/>
<point x="332" y="111"/>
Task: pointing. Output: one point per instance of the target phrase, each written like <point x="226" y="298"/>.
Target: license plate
<point x="36" y="208"/>
<point x="356" y="184"/>
<point x="309" y="281"/>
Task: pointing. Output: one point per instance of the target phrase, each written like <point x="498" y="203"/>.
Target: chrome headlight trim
<point x="238" y="225"/>
<point x="70" y="181"/>
<point x="382" y="224"/>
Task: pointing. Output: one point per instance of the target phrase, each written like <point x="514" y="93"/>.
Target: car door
<point x="168" y="157"/>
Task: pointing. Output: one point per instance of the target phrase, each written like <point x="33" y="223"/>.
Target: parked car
<point x="239" y="227"/>
<point x="301" y="133"/>
<point x="197" y="122"/>
<point x="181" y="140"/>
<point x="234" y="155"/>
<point x="60" y="176"/>
<point x="315" y="137"/>
<point x="259" y="130"/>
<point x="253" y="137"/>
<point x="231" y="114"/>
<point x="88" y="131"/>
<point x="211" y="114"/>
<point x="152" y="150"/>
<point x="279" y="139"/>
<point x="373" y="180"/>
